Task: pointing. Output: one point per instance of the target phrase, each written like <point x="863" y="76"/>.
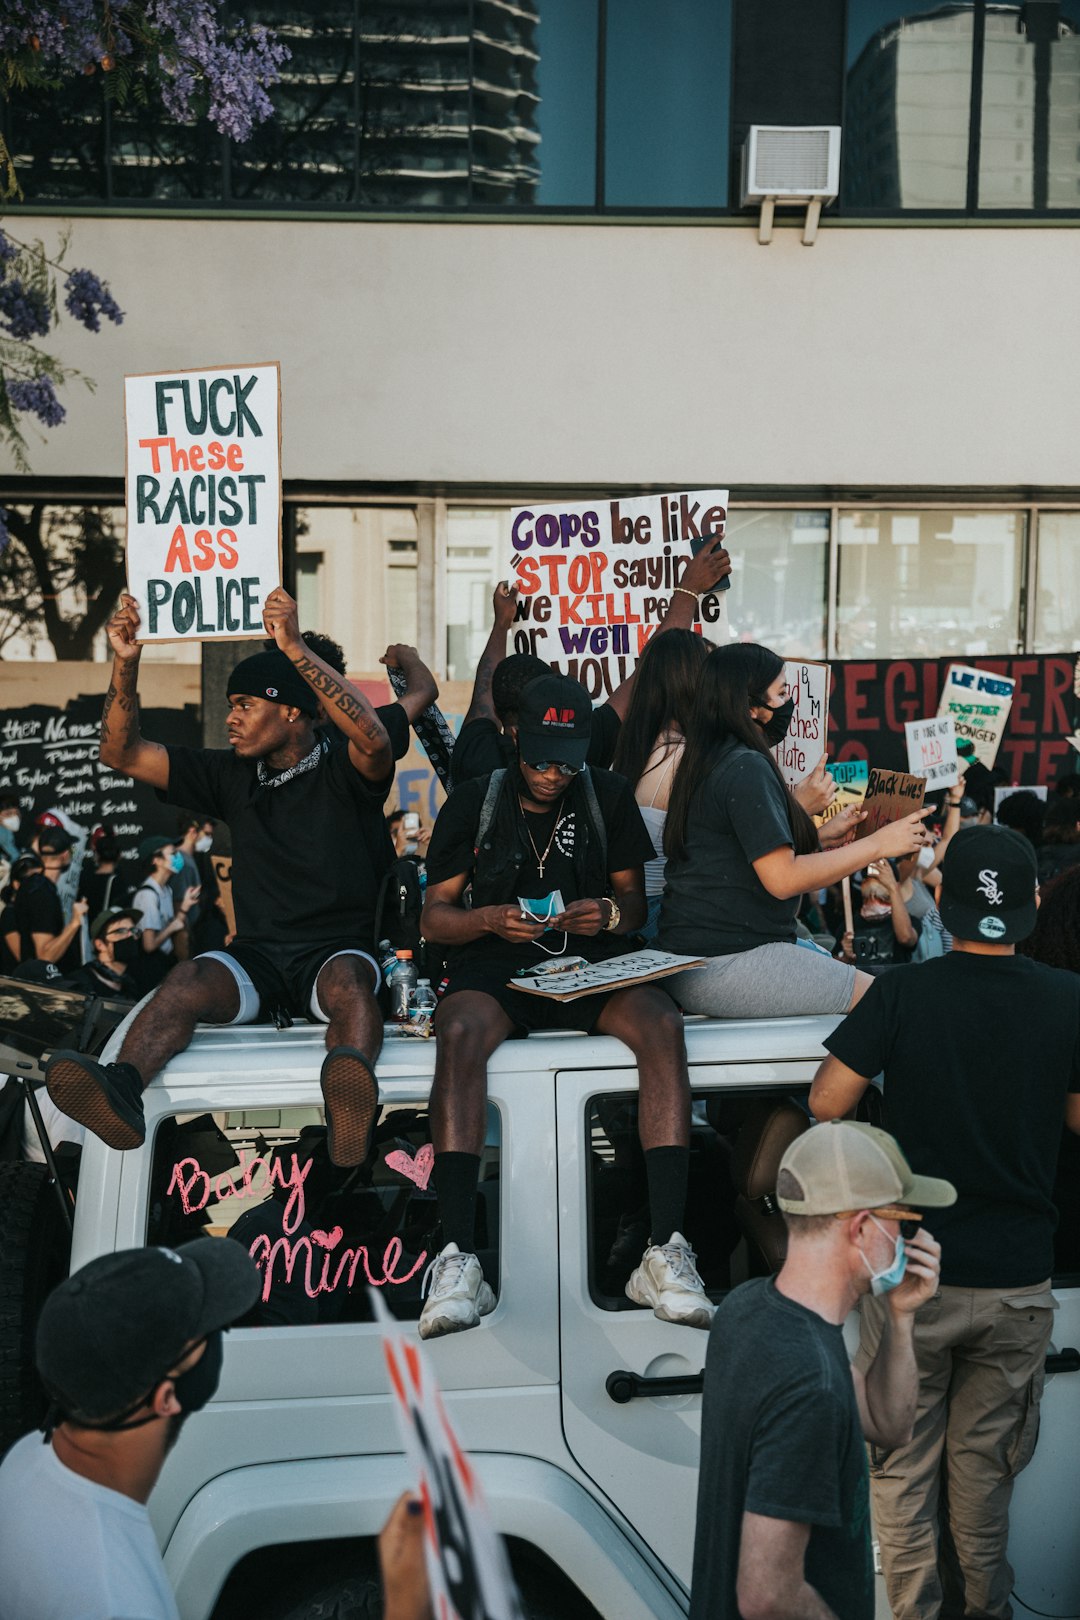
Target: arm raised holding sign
<point x="369" y="746"/>
<point x="122" y="747"/>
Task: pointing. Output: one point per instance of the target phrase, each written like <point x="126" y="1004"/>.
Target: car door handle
<point x="1067" y="1360"/>
<point x="625" y="1386"/>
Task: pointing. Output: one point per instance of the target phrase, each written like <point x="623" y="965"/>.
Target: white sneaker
<point x="667" y="1280"/>
<point x="457" y="1295"/>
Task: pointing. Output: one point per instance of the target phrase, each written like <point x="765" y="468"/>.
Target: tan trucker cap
<point x="844" y="1166"/>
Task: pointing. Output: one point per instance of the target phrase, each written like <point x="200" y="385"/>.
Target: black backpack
<point x="397" y="918"/>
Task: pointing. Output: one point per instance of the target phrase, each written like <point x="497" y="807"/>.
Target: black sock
<point x="668" y="1170"/>
<point x="456" y="1179"/>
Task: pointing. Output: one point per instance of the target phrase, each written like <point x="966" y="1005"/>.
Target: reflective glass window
<point x="566" y="42"/>
<point x="1029" y="154"/>
<point x="929" y="584"/>
<point x="319" y="1235"/>
<point x="668" y="82"/>
<point x="908" y="104"/>
<point x="779" y="578"/>
<point x="1057" y="583"/>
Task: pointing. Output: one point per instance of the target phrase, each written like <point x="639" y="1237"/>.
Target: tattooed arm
<point x="369" y="746"/>
<point x="505" y="605"/>
<point x="122" y="747"/>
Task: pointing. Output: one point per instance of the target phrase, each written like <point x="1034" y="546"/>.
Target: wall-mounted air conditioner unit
<point x="790" y="164"/>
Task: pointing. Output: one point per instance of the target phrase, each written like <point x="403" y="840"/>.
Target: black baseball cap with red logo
<point x="554" y="721"/>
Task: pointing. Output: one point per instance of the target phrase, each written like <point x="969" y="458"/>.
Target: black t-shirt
<point x="481" y="747"/>
<point x="780" y="1437"/>
<point x="978" y="1053"/>
<point x="307" y="856"/>
<point x="714" y="902"/>
<point x="38" y="911"/>
<point x="452" y="851"/>
<point x="95" y="886"/>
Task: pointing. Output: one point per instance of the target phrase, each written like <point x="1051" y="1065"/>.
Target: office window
<point x="668" y="78"/>
<point x="356" y="577"/>
<point x="929" y="584"/>
<point x="1029" y="153"/>
<point x="779" y="576"/>
<point x="1057" y="583"/>
<point x="477" y="557"/>
<point x="908" y="106"/>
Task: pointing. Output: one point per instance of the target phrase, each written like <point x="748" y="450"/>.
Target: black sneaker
<point x="351" y="1095"/>
<point x="105" y="1097"/>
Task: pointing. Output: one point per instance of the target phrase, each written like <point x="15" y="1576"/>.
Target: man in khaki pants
<point x="980" y="1051"/>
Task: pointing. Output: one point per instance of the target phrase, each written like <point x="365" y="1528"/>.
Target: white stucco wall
<point x="567" y="354"/>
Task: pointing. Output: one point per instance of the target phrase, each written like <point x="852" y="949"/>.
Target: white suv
<point x="581" y="1411"/>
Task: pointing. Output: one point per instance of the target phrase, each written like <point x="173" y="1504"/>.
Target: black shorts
<point x="529" y="1013"/>
<point x="276" y="979"/>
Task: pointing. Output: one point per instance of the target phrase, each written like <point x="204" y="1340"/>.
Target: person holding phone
<point x="554" y="853"/>
<point x="741" y="850"/>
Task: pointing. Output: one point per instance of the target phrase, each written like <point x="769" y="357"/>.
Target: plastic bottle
<point x="402" y="983"/>
<point x="387" y="959"/>
<point x="422" y="1002"/>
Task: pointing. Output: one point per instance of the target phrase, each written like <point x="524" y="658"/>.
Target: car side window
<point x="732" y="1220"/>
<point x="319" y="1234"/>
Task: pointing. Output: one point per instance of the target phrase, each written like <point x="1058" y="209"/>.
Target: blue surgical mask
<point x="176" y="861"/>
<point x="883" y="1282"/>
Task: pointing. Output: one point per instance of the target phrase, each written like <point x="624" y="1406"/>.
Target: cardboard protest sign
<point x="851" y="777"/>
<point x="931" y="746"/>
<point x="203" y="500"/>
<point x="805" y="743"/>
<point x="573" y="976"/>
<point x="979" y="703"/>
<point x="889" y="796"/>
<point x="594" y="579"/>
<point x="468" y="1570"/>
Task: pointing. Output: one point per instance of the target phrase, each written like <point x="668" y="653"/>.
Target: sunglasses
<point x="557" y="765"/>
<point x="909" y="1220"/>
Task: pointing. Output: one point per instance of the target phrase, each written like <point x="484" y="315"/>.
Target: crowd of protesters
<point x="694" y="841"/>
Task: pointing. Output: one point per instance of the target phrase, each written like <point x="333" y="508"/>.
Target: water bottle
<point x="402" y="983"/>
<point x="422" y="1002"/>
<point x="387" y="959"/>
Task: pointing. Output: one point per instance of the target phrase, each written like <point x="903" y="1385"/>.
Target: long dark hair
<point x="1056" y="940"/>
<point x="667" y="676"/>
<point x="731" y="679"/>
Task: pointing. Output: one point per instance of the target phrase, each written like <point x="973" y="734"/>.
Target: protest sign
<point x="573" y="976"/>
<point x="979" y="703"/>
<point x="594" y="579"/>
<point x="889" y="796"/>
<point x="203" y="500"/>
<point x="850" y="777"/>
<point x="931" y="746"/>
<point x="1003" y="793"/>
<point x="802" y="748"/>
<point x="468" y="1570"/>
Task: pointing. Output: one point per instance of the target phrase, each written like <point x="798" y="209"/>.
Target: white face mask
<point x="12" y="821"/>
<point x="203" y="844"/>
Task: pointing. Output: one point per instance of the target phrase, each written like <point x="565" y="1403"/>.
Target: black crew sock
<point x="456" y="1178"/>
<point x="668" y="1170"/>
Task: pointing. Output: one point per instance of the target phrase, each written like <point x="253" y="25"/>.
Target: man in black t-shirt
<point x="553" y="840"/>
<point x="980" y="1051"/>
<point x="783" y="1518"/>
<point x="309" y="850"/>
<point x="38" y="913"/>
<point x="485" y="744"/>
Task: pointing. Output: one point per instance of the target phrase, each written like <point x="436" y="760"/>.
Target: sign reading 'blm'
<point x="805" y="743"/>
<point x="594" y="579"/>
<point x="203" y="500"/>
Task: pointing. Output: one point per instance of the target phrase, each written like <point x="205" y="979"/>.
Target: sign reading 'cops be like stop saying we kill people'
<point x="203" y="500"/>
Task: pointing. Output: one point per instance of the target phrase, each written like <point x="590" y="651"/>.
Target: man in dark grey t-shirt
<point x="783" y="1517"/>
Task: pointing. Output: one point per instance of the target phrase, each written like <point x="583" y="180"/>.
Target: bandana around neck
<point x="276" y="779"/>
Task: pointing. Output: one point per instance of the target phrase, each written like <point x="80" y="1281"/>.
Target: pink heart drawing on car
<point x="328" y="1239"/>
<point x="416" y="1167"/>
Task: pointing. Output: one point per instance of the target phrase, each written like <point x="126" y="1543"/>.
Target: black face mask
<point x="126" y="951"/>
<point x="778" y="727"/>
<point x="196" y="1386"/>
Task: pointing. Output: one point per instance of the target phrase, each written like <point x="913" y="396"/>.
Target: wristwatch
<point x="615" y="918"/>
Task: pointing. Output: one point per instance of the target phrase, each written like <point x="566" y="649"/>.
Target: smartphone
<point x="695" y="546"/>
<point x="411" y="823"/>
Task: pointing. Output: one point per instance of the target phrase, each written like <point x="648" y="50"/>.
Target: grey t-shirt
<point x="714" y="902"/>
<point x="780" y="1436"/>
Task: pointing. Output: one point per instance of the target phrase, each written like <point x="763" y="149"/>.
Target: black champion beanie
<point x="272" y="676"/>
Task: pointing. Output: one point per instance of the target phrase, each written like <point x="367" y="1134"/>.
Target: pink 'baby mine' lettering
<point x="324" y="1264"/>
